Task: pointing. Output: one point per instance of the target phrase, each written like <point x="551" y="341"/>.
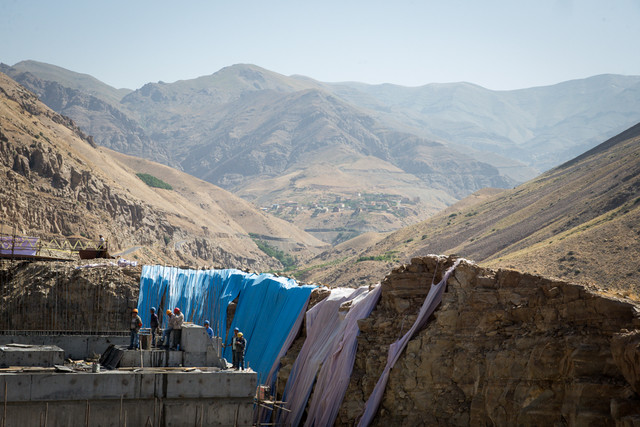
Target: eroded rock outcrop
<point x="504" y="348"/>
<point x="63" y="296"/>
<point x="52" y="187"/>
<point x="625" y="348"/>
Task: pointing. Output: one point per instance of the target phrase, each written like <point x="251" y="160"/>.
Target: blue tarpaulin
<point x="267" y="309"/>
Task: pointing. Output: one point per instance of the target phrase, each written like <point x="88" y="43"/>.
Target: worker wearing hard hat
<point x="166" y="333"/>
<point x="135" y="325"/>
<point x="176" y="328"/>
<point x="234" y="354"/>
<point x="153" y="324"/>
<point x="207" y="328"/>
<point x="240" y="346"/>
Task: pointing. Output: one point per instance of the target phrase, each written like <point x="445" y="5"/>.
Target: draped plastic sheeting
<point x="335" y="374"/>
<point x="330" y="343"/>
<point x="18" y="245"/>
<point x="267" y="310"/>
<point x="268" y="306"/>
<point x="433" y="299"/>
<point x="293" y="333"/>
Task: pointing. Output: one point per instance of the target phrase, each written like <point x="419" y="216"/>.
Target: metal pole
<point x="4" y="417"/>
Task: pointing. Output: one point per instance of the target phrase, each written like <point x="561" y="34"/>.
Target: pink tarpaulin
<point x="18" y="245"/>
<point x="433" y="299"/>
<point x="330" y="343"/>
<point x="334" y="376"/>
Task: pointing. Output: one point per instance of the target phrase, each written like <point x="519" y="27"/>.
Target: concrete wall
<point x="39" y="355"/>
<point x="152" y="358"/>
<point x="74" y="346"/>
<point x="106" y="398"/>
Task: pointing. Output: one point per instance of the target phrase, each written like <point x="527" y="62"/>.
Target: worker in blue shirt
<point x="208" y="329"/>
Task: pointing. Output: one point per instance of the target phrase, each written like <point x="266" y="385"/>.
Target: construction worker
<point x="136" y="324"/>
<point x="208" y="329"/>
<point x="176" y="328"/>
<point x="233" y="347"/>
<point x="166" y="334"/>
<point x="154" y="326"/>
<point x="240" y="346"/>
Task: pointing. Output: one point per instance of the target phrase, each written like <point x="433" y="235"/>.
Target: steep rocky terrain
<point x="503" y="348"/>
<point x="278" y="140"/>
<point x="578" y="222"/>
<point x="57" y="183"/>
<point x="273" y="140"/>
<point x="64" y="296"/>
<point x="93" y="106"/>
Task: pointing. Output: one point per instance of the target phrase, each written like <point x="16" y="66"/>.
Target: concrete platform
<point x="30" y="355"/>
<point x="74" y="346"/>
<point x="165" y="398"/>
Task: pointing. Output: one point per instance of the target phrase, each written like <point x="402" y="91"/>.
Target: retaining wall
<point x="107" y="398"/>
<point x="74" y="346"/>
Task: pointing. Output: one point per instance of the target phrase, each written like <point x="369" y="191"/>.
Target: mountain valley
<point x="295" y="142"/>
<point x="58" y="183"/>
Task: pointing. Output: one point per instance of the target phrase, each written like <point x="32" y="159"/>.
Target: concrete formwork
<point x="30" y="355"/>
<point x="74" y="346"/>
<point x="107" y="398"/>
<point x="152" y="359"/>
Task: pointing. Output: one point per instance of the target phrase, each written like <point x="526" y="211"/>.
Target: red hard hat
<point x="176" y="310"/>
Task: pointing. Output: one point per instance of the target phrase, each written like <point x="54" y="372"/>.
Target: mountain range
<point x="304" y="149"/>
<point x="304" y="152"/>
<point x="502" y="347"/>
<point x="577" y="222"/>
<point x="57" y="183"/>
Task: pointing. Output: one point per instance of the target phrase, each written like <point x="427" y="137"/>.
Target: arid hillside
<point x="213" y="204"/>
<point x="286" y="144"/>
<point x="578" y="222"/>
<point x="342" y="159"/>
<point x="56" y="183"/>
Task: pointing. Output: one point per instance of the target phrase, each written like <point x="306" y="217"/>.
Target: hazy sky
<point x="504" y="44"/>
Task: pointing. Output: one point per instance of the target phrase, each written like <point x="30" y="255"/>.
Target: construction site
<point x="64" y="355"/>
<point x="469" y="346"/>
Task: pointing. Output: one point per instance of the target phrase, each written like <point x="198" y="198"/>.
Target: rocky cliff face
<point x="504" y="348"/>
<point x="38" y="175"/>
<point x="110" y="124"/>
<point x="59" y="296"/>
<point x="55" y="182"/>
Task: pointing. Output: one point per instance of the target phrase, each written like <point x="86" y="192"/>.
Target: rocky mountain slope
<point x="247" y="129"/>
<point x="274" y="141"/>
<point x="503" y="348"/>
<point x="540" y="127"/>
<point x="578" y="221"/>
<point x="312" y="147"/>
<point x="57" y="183"/>
<point x="93" y="105"/>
